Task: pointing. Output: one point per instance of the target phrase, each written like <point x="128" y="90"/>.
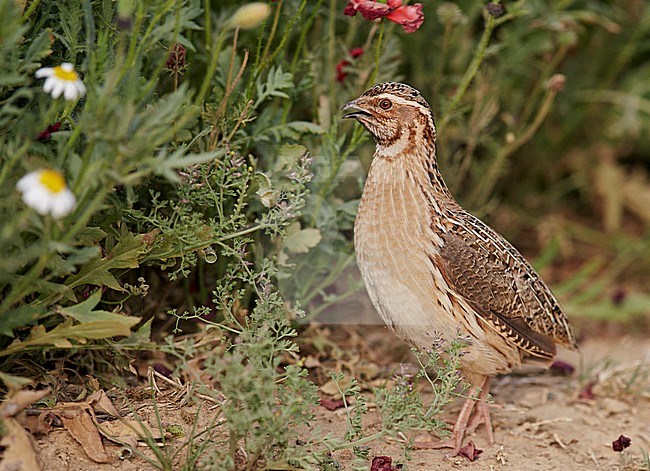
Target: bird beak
<point x="353" y="110"/>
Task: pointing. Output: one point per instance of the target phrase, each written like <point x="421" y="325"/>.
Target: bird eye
<point x="385" y="104"/>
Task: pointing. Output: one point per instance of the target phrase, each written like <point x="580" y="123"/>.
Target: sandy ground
<point x="540" y="423"/>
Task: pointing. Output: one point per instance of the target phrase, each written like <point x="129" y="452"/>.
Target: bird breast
<point x="395" y="247"/>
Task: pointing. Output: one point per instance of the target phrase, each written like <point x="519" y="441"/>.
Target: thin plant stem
<point x="492" y="175"/>
<point x="478" y="58"/>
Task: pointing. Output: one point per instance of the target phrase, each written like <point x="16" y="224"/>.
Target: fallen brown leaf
<point x="100" y="402"/>
<point x="79" y="423"/>
<point x="18" y="452"/>
<point x="129" y="428"/>
<point x="20" y="401"/>
<point x="40" y="424"/>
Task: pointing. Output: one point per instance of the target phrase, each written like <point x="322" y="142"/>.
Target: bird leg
<point x="482" y="414"/>
<point x="461" y="427"/>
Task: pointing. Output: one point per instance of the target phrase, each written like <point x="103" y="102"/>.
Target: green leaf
<point x="268" y="195"/>
<point x="62" y="335"/>
<point x="301" y="240"/>
<point x="83" y="312"/>
<point x="126" y="254"/>
<point x="288" y="157"/>
<point x="305" y="127"/>
<point x="167" y="164"/>
<point x="20" y="317"/>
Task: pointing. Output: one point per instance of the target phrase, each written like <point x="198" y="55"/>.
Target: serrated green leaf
<point x="83" y="312"/>
<point x="62" y="335"/>
<point x="126" y="254"/>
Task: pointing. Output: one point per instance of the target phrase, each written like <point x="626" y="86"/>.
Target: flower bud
<point x="450" y="13"/>
<point x="251" y="15"/>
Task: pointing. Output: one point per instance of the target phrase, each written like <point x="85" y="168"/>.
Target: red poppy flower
<point x="409" y="17"/>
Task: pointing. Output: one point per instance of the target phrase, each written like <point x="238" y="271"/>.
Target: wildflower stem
<point x="493" y="172"/>
<point x="207" y="15"/>
<point x="215" y="50"/>
<point x="475" y="64"/>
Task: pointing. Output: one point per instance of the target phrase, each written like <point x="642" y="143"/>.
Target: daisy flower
<point x="62" y="79"/>
<point x="47" y="193"/>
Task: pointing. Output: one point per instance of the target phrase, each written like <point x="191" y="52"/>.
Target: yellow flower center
<point x="68" y="74"/>
<point x="52" y="180"/>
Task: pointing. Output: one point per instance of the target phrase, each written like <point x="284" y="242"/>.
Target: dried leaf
<point x="100" y="402"/>
<point x="79" y="423"/>
<point x="39" y="424"/>
<point x="21" y="400"/>
<point x="331" y="389"/>
<point x="17" y="448"/>
<point x="122" y="428"/>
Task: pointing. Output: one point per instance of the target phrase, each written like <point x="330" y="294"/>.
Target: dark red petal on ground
<point x="621" y="443"/>
<point x="588" y="391"/>
<point x="384" y="463"/>
<point x="470" y="451"/>
<point x="332" y="404"/>
<point x="562" y="368"/>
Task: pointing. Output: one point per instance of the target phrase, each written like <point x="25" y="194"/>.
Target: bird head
<point x="394" y="114"/>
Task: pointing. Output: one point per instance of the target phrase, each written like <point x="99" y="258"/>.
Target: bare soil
<point x="540" y="422"/>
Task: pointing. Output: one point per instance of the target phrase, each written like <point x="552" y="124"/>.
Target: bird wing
<point x="502" y="287"/>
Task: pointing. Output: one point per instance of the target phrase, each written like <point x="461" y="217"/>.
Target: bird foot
<point x="426" y="442"/>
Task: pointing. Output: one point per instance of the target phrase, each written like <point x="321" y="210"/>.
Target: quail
<point x="433" y="270"/>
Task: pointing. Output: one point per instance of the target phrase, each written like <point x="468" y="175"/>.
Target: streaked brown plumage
<point x="431" y="268"/>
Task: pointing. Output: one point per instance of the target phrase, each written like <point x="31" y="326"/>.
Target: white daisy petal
<point x="44" y="72"/>
<point x="69" y="91"/>
<point x="49" y="84"/>
<point x="65" y="205"/>
<point x="57" y="89"/>
<point x="38" y="200"/>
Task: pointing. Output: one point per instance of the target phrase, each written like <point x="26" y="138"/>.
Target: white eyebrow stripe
<point x="402" y="101"/>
